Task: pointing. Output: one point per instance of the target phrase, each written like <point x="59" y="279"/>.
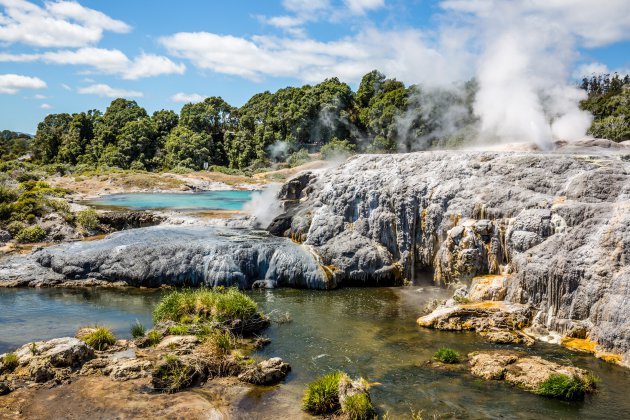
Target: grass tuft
<point x="566" y="387"/>
<point x="358" y="407"/>
<point x="446" y="355"/>
<point x="220" y="305"/>
<point x="100" y="339"/>
<point x="154" y="337"/>
<point x="10" y="362"/>
<point x="137" y="329"/>
<point x="322" y="395"/>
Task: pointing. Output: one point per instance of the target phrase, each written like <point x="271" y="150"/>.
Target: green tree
<point x="49" y="136"/>
<point x="187" y="148"/>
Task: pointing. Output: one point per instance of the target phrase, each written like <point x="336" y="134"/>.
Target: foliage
<point x="100" y="338"/>
<point x="220" y="305"/>
<point x="358" y="407"/>
<point x="322" y="395"/>
<point x="172" y="375"/>
<point x="337" y="149"/>
<point x="219" y="342"/>
<point x="446" y="355"/>
<point x="10" y="362"/>
<point x="178" y="330"/>
<point x="566" y="387"/>
<point x="88" y="219"/>
<point x="137" y="329"/>
<point x="609" y="102"/>
<point x="15" y="227"/>
<point x="153" y="337"/>
<point x="298" y="158"/>
<point x="31" y="234"/>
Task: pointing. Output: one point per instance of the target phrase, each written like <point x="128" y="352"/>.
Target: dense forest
<point x="382" y="116"/>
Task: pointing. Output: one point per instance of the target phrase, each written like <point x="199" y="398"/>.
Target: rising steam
<point x="264" y="205"/>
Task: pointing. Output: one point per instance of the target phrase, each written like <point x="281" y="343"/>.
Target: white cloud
<point x="56" y="24"/>
<point x="589" y="69"/>
<point x="107" y="61"/>
<point x="65" y="86"/>
<point x="362" y="6"/>
<point x="187" y="97"/>
<point x="39" y="96"/>
<point x="13" y="83"/>
<point x="403" y="54"/>
<point x="108" y="91"/>
<point x="45" y="106"/>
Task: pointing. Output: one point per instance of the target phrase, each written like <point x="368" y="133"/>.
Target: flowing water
<point x="206" y="200"/>
<point x="369" y="332"/>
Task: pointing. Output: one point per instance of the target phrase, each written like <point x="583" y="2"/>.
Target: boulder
<point x="489" y="287"/>
<point x="127" y="369"/>
<point x="267" y="372"/>
<point x="59" y="352"/>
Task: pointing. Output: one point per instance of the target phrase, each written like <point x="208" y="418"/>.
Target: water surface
<point x="369" y="332"/>
<point x="206" y="200"/>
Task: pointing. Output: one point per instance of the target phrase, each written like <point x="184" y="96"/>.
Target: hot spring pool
<point x="196" y="201"/>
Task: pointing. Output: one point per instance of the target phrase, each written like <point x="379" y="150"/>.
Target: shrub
<point x="154" y="337"/>
<point x="100" y="338"/>
<point x="181" y="170"/>
<point x="88" y="219"/>
<point x="298" y="158"/>
<point x="172" y="375"/>
<point x="337" y="149"/>
<point x="10" y="362"/>
<point x="137" y="329"/>
<point x="566" y="387"/>
<point x="31" y="234"/>
<point x="178" y="330"/>
<point x="446" y="355"/>
<point x="221" y="305"/>
<point x="358" y="407"/>
<point x="322" y="395"/>
<point x="219" y="342"/>
<point x="15" y="228"/>
<point x="7" y="195"/>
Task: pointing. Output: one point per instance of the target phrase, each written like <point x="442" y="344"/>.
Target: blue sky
<point x="63" y="56"/>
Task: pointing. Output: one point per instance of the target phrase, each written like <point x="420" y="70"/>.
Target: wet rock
<point x="128" y="369"/>
<point x="491" y="287"/>
<point x="267" y="372"/>
<point x="178" y="342"/>
<point x="4" y="388"/>
<point x="507" y="337"/>
<point x="4" y="236"/>
<point x="58" y="352"/>
<point x="171" y="255"/>
<point x="479" y="317"/>
<point x="526" y="372"/>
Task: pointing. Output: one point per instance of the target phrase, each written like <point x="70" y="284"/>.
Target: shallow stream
<point x="369" y="332"/>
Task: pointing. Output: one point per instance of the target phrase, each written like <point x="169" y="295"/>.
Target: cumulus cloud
<point x="107" y="61"/>
<point x="45" y="106"/>
<point x="362" y="6"/>
<point x="13" y="83"/>
<point x="187" y="97"/>
<point x="398" y="53"/>
<point x="39" y="96"/>
<point x="107" y="91"/>
<point x="55" y="24"/>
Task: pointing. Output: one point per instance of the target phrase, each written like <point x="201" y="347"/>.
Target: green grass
<point x="172" y="375"/>
<point x="154" y="337"/>
<point x="322" y="395"/>
<point x="10" y="362"/>
<point x="137" y="329"/>
<point x="100" y="339"/>
<point x="220" y="305"/>
<point x="358" y="407"/>
<point x="221" y="341"/>
<point x="178" y="330"/>
<point x="31" y="234"/>
<point x="446" y="355"/>
<point x="566" y="387"/>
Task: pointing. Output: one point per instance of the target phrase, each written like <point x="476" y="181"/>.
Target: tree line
<point x="382" y="116"/>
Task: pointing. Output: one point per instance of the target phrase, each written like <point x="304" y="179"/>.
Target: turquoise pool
<point x="206" y="200"/>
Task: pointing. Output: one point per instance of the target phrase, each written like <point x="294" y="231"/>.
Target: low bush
<point x="154" y="337"/>
<point x="358" y="407"/>
<point x="9" y="362"/>
<point x="298" y="158"/>
<point x="31" y="234"/>
<point x="178" y="330"/>
<point x="172" y="375"/>
<point x="15" y="228"/>
<point x="88" y="219"/>
<point x="566" y="387"/>
<point x="221" y="305"/>
<point x="100" y="339"/>
<point x="219" y="342"/>
<point x="322" y="395"/>
<point x="446" y="355"/>
<point x="137" y="329"/>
